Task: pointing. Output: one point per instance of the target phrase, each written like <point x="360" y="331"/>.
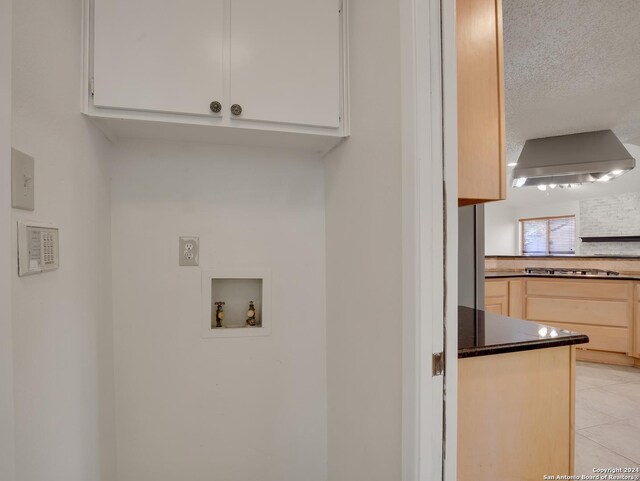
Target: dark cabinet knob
<point x="236" y="109"/>
<point x="215" y="106"/>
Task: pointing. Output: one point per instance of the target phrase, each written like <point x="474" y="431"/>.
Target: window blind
<point x="562" y="236"/>
<point x="534" y="237"/>
<point x="548" y="236"/>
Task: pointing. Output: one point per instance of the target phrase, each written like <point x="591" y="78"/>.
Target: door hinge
<point x="91" y="86"/>
<point x="339" y="6"/>
<point x="438" y="363"/>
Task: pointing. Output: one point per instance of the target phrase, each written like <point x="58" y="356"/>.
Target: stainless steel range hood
<point x="567" y="160"/>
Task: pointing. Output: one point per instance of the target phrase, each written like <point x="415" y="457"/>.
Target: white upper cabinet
<point x="232" y="71"/>
<point x="158" y="55"/>
<point x="285" y="61"/>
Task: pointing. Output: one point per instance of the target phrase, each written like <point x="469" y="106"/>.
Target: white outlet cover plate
<point x="189" y="251"/>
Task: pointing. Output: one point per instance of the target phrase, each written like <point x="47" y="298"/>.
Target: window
<point x="548" y="236"/>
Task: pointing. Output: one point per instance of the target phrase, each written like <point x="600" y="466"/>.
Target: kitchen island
<point x="523" y="273"/>
<point x="516" y="391"/>
<point x="603" y="305"/>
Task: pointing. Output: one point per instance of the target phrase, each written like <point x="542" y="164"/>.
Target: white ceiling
<point x="572" y="66"/>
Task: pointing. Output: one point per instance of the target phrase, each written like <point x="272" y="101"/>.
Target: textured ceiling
<point x="571" y="66"/>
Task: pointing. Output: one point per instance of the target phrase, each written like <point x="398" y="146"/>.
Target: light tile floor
<point x="607" y="417"/>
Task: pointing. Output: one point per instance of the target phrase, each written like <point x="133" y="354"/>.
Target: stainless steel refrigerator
<point x="471" y="256"/>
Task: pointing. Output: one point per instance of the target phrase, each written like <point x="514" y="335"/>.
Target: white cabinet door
<point x="285" y="61"/>
<point x="158" y="55"/>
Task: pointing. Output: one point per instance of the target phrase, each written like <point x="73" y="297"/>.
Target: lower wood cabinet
<point x="636" y="330"/>
<point x="497" y="297"/>
<point x="516" y="293"/>
<point x="608" y="311"/>
<point x="496" y="440"/>
<point x="504" y="296"/>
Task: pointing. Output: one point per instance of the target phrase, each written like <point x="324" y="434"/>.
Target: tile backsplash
<point x="613" y="215"/>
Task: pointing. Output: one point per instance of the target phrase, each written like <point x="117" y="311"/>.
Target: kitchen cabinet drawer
<point x="587" y="289"/>
<point x="612" y="339"/>
<point x="233" y="71"/>
<point x="496" y="288"/>
<point x="579" y="311"/>
<point x="608" y="311"/>
<point x="481" y="131"/>
<point x="497" y="306"/>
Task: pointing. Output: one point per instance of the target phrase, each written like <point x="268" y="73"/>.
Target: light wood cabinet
<point x="497" y="297"/>
<point x="496" y="440"/>
<point x="219" y="69"/>
<point x="599" y="308"/>
<point x="601" y="339"/>
<point x="636" y="327"/>
<point x="516" y="296"/>
<point x="504" y="296"/>
<point x="481" y="121"/>
<point x="608" y="311"/>
<point x="498" y="307"/>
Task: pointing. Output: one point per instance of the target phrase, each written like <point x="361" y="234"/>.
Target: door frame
<point x="430" y="238"/>
<point x="7" y="446"/>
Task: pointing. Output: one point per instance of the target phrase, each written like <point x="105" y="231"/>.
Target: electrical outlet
<point x="189" y="251"/>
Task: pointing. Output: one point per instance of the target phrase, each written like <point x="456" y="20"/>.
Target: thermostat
<point x="37" y="248"/>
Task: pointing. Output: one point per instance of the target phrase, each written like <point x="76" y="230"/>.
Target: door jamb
<point x="429" y="164"/>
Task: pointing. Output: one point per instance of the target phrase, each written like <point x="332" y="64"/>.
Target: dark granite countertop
<point x="483" y="333"/>
<point x="506" y="274"/>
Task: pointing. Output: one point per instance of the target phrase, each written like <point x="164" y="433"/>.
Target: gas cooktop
<point x="574" y="271"/>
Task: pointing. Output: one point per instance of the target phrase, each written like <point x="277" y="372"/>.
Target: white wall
<point x="226" y="409"/>
<point x="6" y="342"/>
<point x="364" y="258"/>
<point x="61" y="334"/>
<point x="501" y="230"/>
<point x="613" y="215"/>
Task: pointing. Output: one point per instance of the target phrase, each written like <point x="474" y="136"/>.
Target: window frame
<point x="548" y="219"/>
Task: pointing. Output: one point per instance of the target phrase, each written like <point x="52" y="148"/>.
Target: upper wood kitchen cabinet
<point x="265" y="72"/>
<point x="481" y="130"/>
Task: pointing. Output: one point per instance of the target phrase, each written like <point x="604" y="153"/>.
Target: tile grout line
<point x="606" y="385"/>
<point x="610" y="450"/>
<point x="605" y="388"/>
